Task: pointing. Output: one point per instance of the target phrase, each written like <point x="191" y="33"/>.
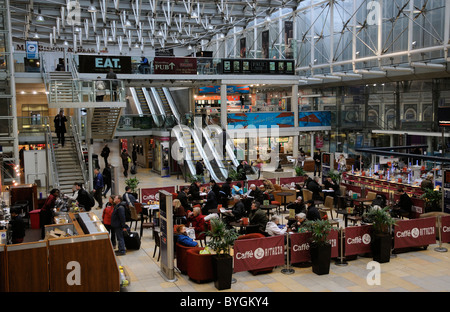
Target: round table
<point x="284" y="195"/>
<point x="268" y="208"/>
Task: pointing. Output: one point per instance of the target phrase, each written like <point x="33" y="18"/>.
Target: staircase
<point x="142" y="102"/>
<point x="68" y="167"/>
<point x="60" y="87"/>
<point x="104" y="122"/>
<point x="165" y="103"/>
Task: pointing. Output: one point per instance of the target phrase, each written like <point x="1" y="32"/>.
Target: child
<point x="17" y="226"/>
<point x="107" y="212"/>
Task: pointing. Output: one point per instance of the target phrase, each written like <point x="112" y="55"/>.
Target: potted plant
<point x="335" y="176"/>
<point x="133" y="184"/>
<point x="194" y="178"/>
<point x="320" y="247"/>
<point x="381" y="242"/>
<point x="432" y="199"/>
<point x="299" y="171"/>
<point x="221" y="241"/>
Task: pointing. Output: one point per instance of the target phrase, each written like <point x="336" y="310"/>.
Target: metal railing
<point x="79" y="149"/>
<point x="51" y="157"/>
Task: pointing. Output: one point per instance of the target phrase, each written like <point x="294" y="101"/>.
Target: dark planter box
<point x="222" y="271"/>
<point x="381" y="247"/>
<point x="320" y="258"/>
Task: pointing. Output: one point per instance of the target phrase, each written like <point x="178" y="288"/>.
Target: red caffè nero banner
<point x="445" y="232"/>
<point x="148" y="194"/>
<point x="357" y="240"/>
<point x="415" y="232"/>
<point x="258" y="253"/>
<point x="299" y="243"/>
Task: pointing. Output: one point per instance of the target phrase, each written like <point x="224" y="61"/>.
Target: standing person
<point x="134" y="155"/>
<point x="107" y="179"/>
<point x="241" y="170"/>
<point x="342" y="163"/>
<point x="111" y="75"/>
<point x="105" y="154"/>
<point x="100" y="89"/>
<point x="199" y="170"/>
<point x="60" y="126"/>
<point x="118" y="224"/>
<point x="317" y="162"/>
<point x="106" y="217"/>
<point x="46" y="213"/>
<point x="126" y="159"/>
<point x="17" y="226"/>
<point x="98" y="187"/>
<point x="81" y="196"/>
<point x="194" y="191"/>
<point x="183" y="197"/>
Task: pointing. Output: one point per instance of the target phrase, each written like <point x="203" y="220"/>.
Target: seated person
<point x="268" y="187"/>
<point x="315" y="188"/>
<point x="273" y="226"/>
<point x="298" y="205"/>
<point x="178" y="211"/>
<point x="196" y="220"/>
<point x="225" y="193"/>
<point x="257" y="217"/>
<point x="183" y="238"/>
<point x="329" y="184"/>
<point x="253" y="194"/>
<point x="17" y="226"/>
<point x="404" y="204"/>
<point x="312" y="213"/>
<point x="297" y="225"/>
<point x="210" y="202"/>
<point x="183" y="197"/>
<point x="236" y="212"/>
<point x="194" y="191"/>
<point x="237" y="189"/>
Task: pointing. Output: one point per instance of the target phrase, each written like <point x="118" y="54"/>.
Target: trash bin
<point x="35" y="219"/>
<point x="165" y="172"/>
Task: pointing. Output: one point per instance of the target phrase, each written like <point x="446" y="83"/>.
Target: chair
<point x="157" y="243"/>
<point x="135" y="213"/>
<point x="342" y="190"/>
<point x="323" y="213"/>
<point x="354" y="219"/>
<point x="328" y="205"/>
<point x="199" y="267"/>
<point x="307" y="195"/>
<point x="252" y="236"/>
<point x="182" y="257"/>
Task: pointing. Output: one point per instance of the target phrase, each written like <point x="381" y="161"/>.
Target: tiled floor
<point x="424" y="270"/>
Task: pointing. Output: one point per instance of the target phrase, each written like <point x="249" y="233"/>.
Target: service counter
<point x="75" y="256"/>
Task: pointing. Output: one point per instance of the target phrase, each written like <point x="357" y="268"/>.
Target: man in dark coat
<point x="107" y="179"/>
<point x="257" y="217"/>
<point x="236" y="212"/>
<point x="194" y="191"/>
<point x="211" y="203"/>
<point x="98" y="187"/>
<point x="105" y="154"/>
<point x="225" y="193"/>
<point x="60" y="126"/>
<point x="183" y="197"/>
<point x="312" y="212"/>
<point x="315" y="188"/>
<point x="118" y="223"/>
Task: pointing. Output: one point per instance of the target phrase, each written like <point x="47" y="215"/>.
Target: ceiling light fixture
<point x="40" y="18"/>
<point x="92" y="8"/>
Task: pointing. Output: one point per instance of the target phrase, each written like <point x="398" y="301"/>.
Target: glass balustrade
<point x="145" y="122"/>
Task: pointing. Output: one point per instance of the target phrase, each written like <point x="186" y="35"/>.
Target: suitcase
<point x="133" y="169"/>
<point x="132" y="241"/>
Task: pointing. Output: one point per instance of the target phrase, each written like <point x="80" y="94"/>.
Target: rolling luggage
<point x="133" y="169"/>
<point x="132" y="241"/>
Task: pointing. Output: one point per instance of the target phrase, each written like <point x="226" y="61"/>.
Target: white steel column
<point x="294" y="108"/>
<point x="223" y="106"/>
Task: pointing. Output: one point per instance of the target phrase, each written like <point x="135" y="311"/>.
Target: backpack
<point x="90" y="201"/>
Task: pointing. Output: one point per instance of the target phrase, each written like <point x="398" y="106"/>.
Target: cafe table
<point x="284" y="195"/>
<point x="151" y="210"/>
<point x="346" y="214"/>
<point x="268" y="208"/>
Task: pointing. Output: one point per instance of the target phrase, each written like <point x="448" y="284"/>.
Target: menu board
<point x="258" y="66"/>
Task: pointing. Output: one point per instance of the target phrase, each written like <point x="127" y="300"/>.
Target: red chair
<point x="181" y="251"/>
<point x="199" y="267"/>
<point x="252" y="236"/>
<point x="174" y="196"/>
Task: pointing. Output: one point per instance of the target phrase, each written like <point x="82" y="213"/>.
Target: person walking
<point x="107" y="179"/>
<point x="199" y="170"/>
<point x="112" y="79"/>
<point x="126" y="159"/>
<point x="60" y="126"/>
<point x="100" y="89"/>
<point x="105" y="154"/>
<point x="118" y="224"/>
<point x="98" y="187"/>
<point x="317" y="162"/>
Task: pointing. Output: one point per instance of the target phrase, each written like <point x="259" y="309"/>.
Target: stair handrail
<point x="217" y="157"/>
<point x="77" y="142"/>
<point x="50" y="148"/>
<point x="158" y="100"/>
<point x="172" y="105"/>
<point x="149" y="101"/>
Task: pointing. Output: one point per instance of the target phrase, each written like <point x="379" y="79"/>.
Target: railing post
<point x="341" y="261"/>
<point x="288" y="270"/>
<point x="440" y="248"/>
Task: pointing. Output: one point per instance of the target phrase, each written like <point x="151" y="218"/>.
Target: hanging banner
<point x="258" y="253"/>
<point x="265" y="44"/>
<point x="415" y="232"/>
<point x="357" y="240"/>
<point x="445" y="223"/>
<point x="148" y="194"/>
<point x="32" y="50"/>
<point x="300" y="243"/>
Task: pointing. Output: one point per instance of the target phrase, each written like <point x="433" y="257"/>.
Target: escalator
<point x="143" y="107"/>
